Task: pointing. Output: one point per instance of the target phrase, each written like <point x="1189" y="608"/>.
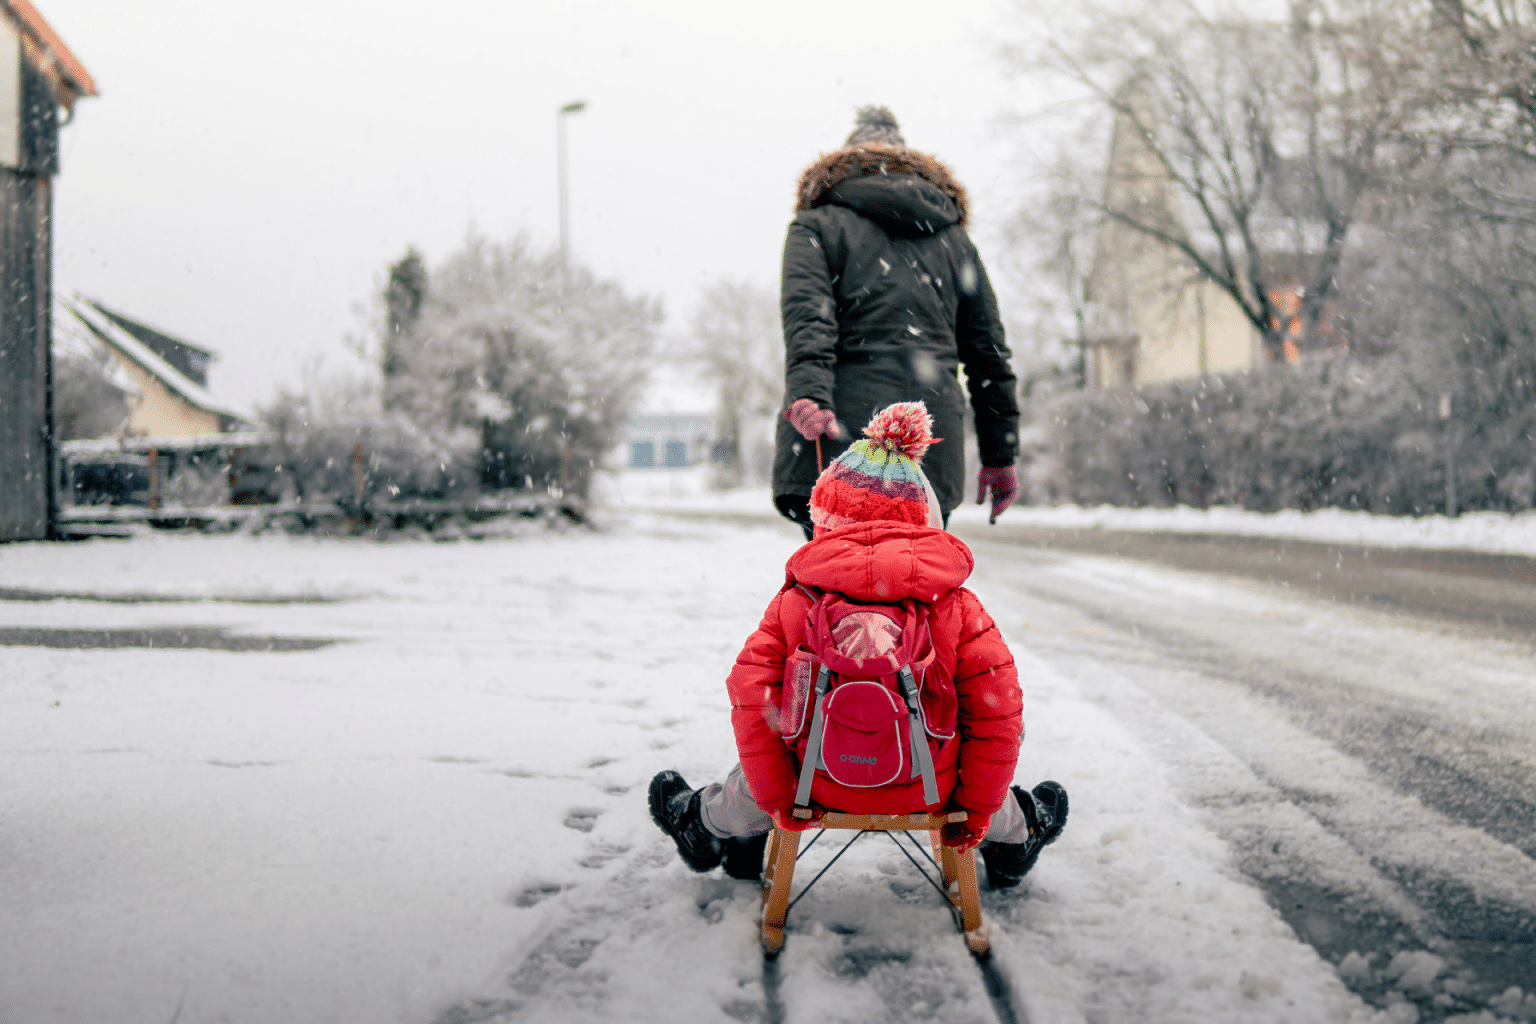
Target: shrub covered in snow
<point x="1340" y="432"/>
<point x="321" y="431"/>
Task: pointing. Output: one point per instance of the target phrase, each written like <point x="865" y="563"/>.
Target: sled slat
<point x="922" y="820"/>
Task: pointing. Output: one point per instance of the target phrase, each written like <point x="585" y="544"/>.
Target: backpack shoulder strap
<point x="922" y="757"/>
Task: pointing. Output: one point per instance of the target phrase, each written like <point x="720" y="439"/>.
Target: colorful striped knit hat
<point x="880" y="477"/>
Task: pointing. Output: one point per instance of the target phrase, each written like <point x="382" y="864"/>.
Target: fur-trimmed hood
<point x="871" y="157"/>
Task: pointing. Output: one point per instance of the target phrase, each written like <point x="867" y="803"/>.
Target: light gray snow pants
<point x="729" y="810"/>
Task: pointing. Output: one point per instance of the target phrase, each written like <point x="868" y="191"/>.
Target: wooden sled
<point x="958" y="871"/>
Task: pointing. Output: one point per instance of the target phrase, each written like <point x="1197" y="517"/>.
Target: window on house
<point x="642" y="454"/>
<point x="677" y="453"/>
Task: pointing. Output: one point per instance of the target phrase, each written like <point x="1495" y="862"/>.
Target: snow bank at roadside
<point x="660" y="490"/>
<point x="1492" y="532"/>
<point x="687" y="490"/>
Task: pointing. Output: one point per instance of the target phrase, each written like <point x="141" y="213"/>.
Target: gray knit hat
<point x="876" y="124"/>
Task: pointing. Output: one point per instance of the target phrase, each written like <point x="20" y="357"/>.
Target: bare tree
<point x="87" y="400"/>
<point x="740" y="344"/>
<point x="1249" y="147"/>
<point x="1050" y="257"/>
<point x="1376" y="156"/>
<point x="1490" y="72"/>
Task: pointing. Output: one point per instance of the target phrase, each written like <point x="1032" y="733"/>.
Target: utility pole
<point x="565" y="215"/>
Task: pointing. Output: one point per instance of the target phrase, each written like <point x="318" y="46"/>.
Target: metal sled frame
<point x="958" y="871"/>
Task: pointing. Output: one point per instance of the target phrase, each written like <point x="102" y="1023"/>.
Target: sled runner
<point x="957" y="871"/>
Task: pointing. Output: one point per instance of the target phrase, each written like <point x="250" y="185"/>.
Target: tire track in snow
<point x="1436" y="903"/>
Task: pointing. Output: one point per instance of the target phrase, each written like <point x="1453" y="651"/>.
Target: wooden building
<point x="39" y="80"/>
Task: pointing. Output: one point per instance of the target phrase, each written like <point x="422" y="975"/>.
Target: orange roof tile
<point x="69" y="65"/>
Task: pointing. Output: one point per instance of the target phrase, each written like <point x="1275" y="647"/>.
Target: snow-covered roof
<point x="110" y="333"/>
<point x="192" y="360"/>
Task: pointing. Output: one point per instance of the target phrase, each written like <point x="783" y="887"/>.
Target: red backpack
<point x="880" y="710"/>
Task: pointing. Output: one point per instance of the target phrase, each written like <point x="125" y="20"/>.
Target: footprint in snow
<point x="533" y="895"/>
<point x="582" y="819"/>
<point x="574" y="962"/>
<point x="602" y="853"/>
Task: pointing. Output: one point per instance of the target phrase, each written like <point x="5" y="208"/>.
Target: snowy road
<point x="425" y="802"/>
<point x="1363" y="735"/>
<point x="1480" y="593"/>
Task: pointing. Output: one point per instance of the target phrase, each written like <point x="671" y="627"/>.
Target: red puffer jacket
<point x="885" y="562"/>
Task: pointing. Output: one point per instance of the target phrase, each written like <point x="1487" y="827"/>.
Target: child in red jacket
<point x="878" y="539"/>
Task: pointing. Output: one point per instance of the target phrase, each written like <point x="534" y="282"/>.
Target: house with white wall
<point x="169" y="395"/>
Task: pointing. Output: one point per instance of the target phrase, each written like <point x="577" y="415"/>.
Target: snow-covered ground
<point x="442" y="816"/>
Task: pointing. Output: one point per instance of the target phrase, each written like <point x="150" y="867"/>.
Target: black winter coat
<point x="884" y="297"/>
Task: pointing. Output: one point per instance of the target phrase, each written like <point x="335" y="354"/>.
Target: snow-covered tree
<point x="405" y="291"/>
<point x="540" y="358"/>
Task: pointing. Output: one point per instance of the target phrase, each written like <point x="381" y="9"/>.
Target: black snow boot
<point x="1045" y="812"/>
<point x="744" y="857"/>
<point x="675" y="810"/>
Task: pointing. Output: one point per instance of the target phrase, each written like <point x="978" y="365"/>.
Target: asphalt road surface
<point x="1359" y="724"/>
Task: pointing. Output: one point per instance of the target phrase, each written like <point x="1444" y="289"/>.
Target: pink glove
<point x="1003" y="481"/>
<point x="811" y="420"/>
<point x="964" y="835"/>
<point x="786" y="820"/>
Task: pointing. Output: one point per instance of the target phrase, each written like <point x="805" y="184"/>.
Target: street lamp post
<point x="565" y="215"/>
<point x="1450" y="456"/>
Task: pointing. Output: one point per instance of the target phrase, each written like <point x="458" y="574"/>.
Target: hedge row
<point x="1337" y="432"/>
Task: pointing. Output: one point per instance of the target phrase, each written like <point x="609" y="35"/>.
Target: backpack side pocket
<point x="795" y="700"/>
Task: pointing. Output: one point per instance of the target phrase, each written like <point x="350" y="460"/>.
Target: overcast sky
<point x="249" y="169"/>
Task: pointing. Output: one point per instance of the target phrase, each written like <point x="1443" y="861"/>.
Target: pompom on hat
<point x="875" y="124"/>
<point x="881" y="476"/>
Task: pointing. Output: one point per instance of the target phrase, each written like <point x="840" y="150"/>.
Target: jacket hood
<point x="883" y="562"/>
<point x="903" y="204"/>
<point x="900" y="189"/>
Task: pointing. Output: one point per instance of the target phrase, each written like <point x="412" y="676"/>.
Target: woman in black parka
<point x="884" y="298"/>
